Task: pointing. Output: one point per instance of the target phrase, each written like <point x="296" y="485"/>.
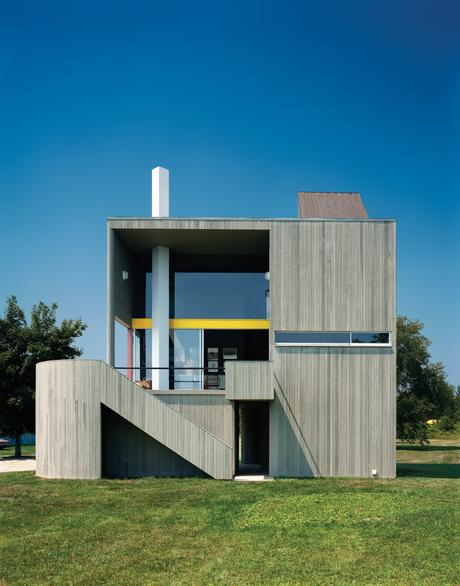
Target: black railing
<point x="180" y="377"/>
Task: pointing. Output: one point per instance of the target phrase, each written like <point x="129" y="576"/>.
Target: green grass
<point x="27" y="451"/>
<point x="440" y="459"/>
<point x="196" y="531"/>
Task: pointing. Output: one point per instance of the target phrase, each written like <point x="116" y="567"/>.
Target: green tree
<point x="22" y="345"/>
<point x="423" y="390"/>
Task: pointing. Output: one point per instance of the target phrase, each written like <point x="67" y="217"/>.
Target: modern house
<point x="250" y="346"/>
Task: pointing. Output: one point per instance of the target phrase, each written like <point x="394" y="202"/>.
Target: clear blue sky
<point x="246" y="103"/>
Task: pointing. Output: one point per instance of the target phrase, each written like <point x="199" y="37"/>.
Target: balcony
<point x="180" y="378"/>
<point x="249" y="381"/>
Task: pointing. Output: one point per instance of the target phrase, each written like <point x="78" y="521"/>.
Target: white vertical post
<point x="160" y="193"/>
<point x="160" y="285"/>
<point x="160" y="317"/>
<point x="110" y="294"/>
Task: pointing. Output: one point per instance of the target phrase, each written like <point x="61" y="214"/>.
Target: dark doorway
<point x="252" y="437"/>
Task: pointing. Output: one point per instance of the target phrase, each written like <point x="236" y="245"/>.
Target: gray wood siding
<point x="335" y="408"/>
<point x="68" y="421"/>
<point x="188" y="224"/>
<point x="249" y="380"/>
<point x="334" y="413"/>
<point x="213" y="412"/>
<point x="127" y="296"/>
<point x="131" y="223"/>
<point x="334" y="276"/>
<point x="69" y="395"/>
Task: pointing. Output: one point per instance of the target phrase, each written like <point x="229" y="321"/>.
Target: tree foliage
<point x="423" y="390"/>
<point x="22" y="345"/>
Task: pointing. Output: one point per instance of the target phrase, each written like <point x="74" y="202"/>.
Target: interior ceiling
<point x="201" y="250"/>
<point x="216" y="263"/>
<point x="197" y="242"/>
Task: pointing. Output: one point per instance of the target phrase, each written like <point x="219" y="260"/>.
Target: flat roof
<point x="246" y="240"/>
<point x="242" y="219"/>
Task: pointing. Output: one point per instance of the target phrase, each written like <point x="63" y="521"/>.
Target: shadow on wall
<point x="297" y="459"/>
<point x="128" y="452"/>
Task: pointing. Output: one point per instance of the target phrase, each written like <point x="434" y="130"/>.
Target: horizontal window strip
<point x="332" y="338"/>
<point x="312" y="337"/>
<point x="205" y="324"/>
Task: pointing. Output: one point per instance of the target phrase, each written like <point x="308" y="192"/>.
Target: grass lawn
<point x="25" y="450"/>
<point x="195" y="531"/>
<point x="439" y="459"/>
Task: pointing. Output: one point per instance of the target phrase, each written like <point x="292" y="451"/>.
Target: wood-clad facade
<point x="331" y="407"/>
<point x="335" y="408"/>
<point x="249" y="381"/>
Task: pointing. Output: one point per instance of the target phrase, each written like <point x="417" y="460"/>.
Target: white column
<point x="160" y="193"/>
<point x="160" y="317"/>
<point x="110" y="292"/>
<point x="160" y="284"/>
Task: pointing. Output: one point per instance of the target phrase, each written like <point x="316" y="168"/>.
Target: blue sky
<point x="246" y="103"/>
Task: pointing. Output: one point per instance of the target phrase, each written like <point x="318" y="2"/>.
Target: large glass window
<point x="215" y="295"/>
<point x="187" y="359"/>
<point x="220" y="295"/>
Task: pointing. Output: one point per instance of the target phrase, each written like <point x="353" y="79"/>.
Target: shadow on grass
<point x="429" y="470"/>
<point x="430" y="448"/>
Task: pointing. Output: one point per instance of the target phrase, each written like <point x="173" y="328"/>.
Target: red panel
<point x="130" y="353"/>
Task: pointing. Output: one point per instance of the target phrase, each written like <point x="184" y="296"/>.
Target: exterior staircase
<point x="69" y="398"/>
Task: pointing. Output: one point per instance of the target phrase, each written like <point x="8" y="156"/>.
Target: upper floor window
<point x="370" y="338"/>
<point x="219" y="295"/>
<point x="332" y="339"/>
<point x="312" y="338"/>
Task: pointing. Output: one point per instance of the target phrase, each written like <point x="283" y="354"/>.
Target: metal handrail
<point x="206" y="373"/>
<point x="211" y="368"/>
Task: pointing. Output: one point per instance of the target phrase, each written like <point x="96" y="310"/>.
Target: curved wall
<point x="68" y="420"/>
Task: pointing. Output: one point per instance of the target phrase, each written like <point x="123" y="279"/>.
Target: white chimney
<point x="160" y="192"/>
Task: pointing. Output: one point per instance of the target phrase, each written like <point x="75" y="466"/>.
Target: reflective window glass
<point x="370" y="338"/>
<point x="187" y="350"/>
<point x="312" y="337"/>
<point x="349" y="338"/>
<point x="220" y="295"/>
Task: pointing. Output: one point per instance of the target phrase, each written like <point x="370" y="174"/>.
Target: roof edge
<point x="244" y="219"/>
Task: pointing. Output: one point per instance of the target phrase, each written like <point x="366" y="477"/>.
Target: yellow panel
<point x="219" y="324"/>
<point x="205" y="324"/>
<point x="141" y="323"/>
